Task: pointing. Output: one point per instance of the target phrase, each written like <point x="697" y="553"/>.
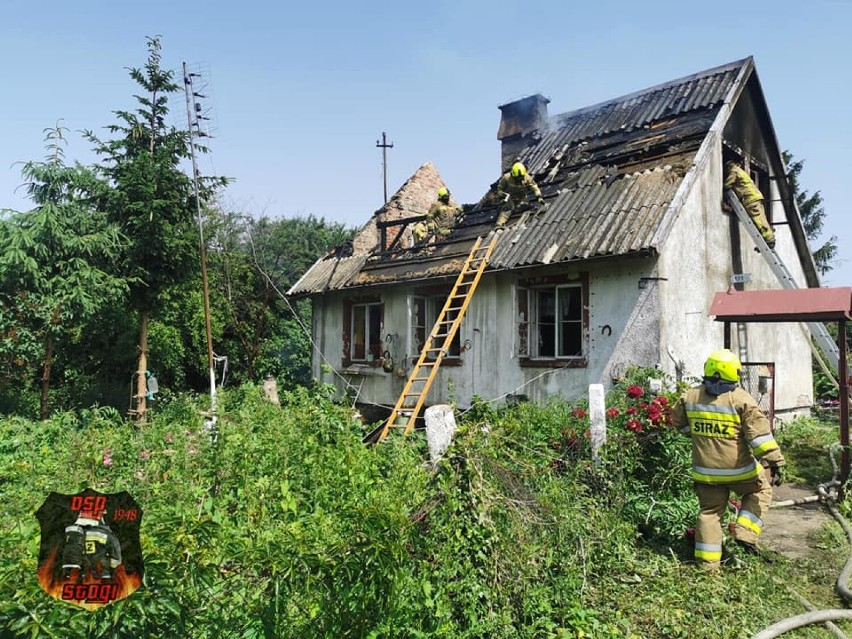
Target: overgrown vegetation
<point x="289" y="526"/>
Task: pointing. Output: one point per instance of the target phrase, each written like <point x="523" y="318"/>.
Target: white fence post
<point x="597" y="419"/>
<point x="440" y="428"/>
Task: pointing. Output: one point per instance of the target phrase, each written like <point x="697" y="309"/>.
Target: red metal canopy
<point x="797" y="305"/>
<point x="783" y="305"/>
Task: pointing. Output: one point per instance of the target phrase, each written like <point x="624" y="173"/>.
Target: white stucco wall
<point x="703" y="267"/>
<point x="623" y="329"/>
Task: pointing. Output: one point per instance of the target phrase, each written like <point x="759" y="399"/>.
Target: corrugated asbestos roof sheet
<point x="328" y="274"/>
<point x="594" y="219"/>
<point x="608" y="172"/>
<point x="635" y="111"/>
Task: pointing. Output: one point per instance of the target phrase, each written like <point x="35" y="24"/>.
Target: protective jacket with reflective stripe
<point x="728" y="432"/>
<point x="741" y="182"/>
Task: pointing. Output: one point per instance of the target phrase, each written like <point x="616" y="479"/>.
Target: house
<point x="620" y="267"/>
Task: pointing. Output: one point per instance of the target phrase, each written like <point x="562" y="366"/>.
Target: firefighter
<point x="513" y="190"/>
<point x="737" y="179"/>
<point x="90" y="547"/>
<point x="729" y="434"/>
<point x="439" y="220"/>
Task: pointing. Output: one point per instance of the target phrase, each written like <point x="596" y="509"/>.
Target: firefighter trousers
<point x="756" y="495"/>
<point x="758" y="215"/>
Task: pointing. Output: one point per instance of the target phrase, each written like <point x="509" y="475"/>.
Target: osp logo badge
<point x="90" y="554"/>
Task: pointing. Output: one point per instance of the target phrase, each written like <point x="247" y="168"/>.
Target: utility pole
<point x="194" y="107"/>
<point x="384" y="147"/>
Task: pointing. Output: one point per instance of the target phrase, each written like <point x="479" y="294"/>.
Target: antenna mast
<point x="194" y="110"/>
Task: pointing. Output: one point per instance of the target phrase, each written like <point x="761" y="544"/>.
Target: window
<point x="365" y="332"/>
<point x="551" y="321"/>
<point x="424" y="313"/>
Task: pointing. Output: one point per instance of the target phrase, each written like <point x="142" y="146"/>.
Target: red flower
<point x="662" y="401"/>
<point x="632" y="410"/>
<point x="579" y="413"/>
<point x="655" y="412"/>
<point x="635" y="391"/>
<point x="612" y="412"/>
<point x="635" y="425"/>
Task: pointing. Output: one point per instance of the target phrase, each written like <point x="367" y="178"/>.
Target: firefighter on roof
<point x="737" y="179"/>
<point x="513" y="190"/>
<point x="729" y="435"/>
<point x="440" y="219"/>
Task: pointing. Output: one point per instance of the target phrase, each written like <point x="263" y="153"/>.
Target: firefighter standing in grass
<point x="514" y="188"/>
<point x="752" y="199"/>
<point x="729" y="434"/>
<point x="439" y="220"/>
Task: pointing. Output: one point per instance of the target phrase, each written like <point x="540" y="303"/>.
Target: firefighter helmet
<point x="518" y="170"/>
<point x="724" y="362"/>
<point x="443" y="193"/>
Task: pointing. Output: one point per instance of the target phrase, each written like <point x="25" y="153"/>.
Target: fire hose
<point x="826" y="493"/>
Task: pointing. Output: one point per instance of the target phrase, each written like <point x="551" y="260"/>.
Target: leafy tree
<point x="255" y="261"/>
<point x="53" y="277"/>
<point x="151" y="199"/>
<point x="813" y="215"/>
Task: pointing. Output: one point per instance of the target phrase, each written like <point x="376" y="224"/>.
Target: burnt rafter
<point x="627" y="148"/>
<point x="403" y="223"/>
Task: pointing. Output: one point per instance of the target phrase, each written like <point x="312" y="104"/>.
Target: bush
<point x="288" y="526"/>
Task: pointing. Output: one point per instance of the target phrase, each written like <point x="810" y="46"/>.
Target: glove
<point x="776" y="475"/>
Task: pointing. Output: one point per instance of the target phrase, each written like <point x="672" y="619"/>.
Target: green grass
<point x="805" y="443"/>
<point x="289" y="527"/>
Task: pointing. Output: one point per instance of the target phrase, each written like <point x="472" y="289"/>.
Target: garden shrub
<point x="286" y="525"/>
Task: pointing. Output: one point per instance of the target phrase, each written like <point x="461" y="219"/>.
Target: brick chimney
<point x="518" y="121"/>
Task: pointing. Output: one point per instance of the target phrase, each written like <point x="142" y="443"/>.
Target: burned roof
<point x="609" y="174"/>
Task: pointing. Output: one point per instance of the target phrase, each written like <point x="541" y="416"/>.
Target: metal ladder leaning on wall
<point x="820" y="333"/>
<point x="413" y="395"/>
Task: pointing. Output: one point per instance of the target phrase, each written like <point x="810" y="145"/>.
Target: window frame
<point x="371" y="346"/>
<point x="527" y="324"/>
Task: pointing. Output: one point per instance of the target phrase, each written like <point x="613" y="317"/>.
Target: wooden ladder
<point x="414" y="393"/>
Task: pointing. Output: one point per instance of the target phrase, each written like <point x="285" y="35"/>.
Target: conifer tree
<point x="813" y="215"/>
<point x="151" y="198"/>
<point x="54" y="261"/>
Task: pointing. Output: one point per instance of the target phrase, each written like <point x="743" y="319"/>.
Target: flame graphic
<point x="126" y="583"/>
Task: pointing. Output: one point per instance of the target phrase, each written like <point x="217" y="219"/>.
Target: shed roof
<point x="783" y="305"/>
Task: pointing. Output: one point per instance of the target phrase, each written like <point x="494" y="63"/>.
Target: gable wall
<point x="698" y="260"/>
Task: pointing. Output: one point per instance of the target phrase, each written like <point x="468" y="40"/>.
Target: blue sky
<point x="299" y="93"/>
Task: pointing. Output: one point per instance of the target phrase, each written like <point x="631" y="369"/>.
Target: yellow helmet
<point x="518" y="170"/>
<point x="724" y="362"/>
<point x="443" y="193"/>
